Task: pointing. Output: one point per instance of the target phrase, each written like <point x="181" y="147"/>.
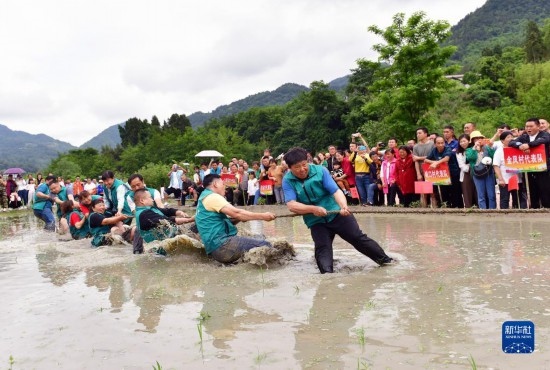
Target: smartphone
<point x="484" y="141"/>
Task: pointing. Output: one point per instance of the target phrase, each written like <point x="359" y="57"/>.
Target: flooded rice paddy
<point x="441" y="306"/>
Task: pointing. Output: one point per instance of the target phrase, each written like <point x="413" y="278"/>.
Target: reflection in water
<point x="458" y="278"/>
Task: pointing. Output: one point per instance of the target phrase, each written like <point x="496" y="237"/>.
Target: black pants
<point x="347" y="228"/>
<point x="539" y="185"/>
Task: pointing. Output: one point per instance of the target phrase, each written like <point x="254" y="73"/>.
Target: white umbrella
<point x="209" y="153"/>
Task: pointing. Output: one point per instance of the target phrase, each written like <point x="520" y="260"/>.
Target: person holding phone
<point x="482" y="153"/>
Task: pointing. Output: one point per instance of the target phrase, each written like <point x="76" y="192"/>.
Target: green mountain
<point x="280" y="96"/>
<point x="497" y="22"/>
<point x="30" y="152"/>
<point x="108" y="137"/>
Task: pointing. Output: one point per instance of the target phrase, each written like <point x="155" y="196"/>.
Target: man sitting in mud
<point x="156" y="223"/>
<point x="215" y="220"/>
<point x="103" y="228"/>
<point x="311" y="191"/>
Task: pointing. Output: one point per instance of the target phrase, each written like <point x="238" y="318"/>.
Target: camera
<point x="381" y="145"/>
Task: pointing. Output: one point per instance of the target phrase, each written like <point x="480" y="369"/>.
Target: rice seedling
<point x="370" y="305"/>
<point x="203" y="316"/>
<point x="472" y="362"/>
<point x="362" y="364"/>
<point x="260" y="357"/>
<point x="199" y="329"/>
<point x="360" y="333"/>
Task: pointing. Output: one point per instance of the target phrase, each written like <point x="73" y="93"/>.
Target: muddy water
<point x="458" y="278"/>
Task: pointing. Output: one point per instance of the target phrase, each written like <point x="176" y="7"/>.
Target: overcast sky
<point x="72" y="68"/>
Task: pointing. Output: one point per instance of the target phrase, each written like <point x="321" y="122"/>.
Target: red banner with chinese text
<point x="229" y="180"/>
<point x="437" y="176"/>
<point x="266" y="187"/>
<point x="534" y="161"/>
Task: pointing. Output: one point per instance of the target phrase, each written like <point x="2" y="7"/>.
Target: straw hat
<point x="476" y="134"/>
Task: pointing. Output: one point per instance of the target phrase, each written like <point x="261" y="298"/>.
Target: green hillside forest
<point x="405" y="88"/>
<point x="497" y="23"/>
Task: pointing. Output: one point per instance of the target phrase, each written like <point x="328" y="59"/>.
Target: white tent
<point x="209" y="153"/>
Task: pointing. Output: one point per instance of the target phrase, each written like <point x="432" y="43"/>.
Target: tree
<point x="155" y="123"/>
<point x="135" y="131"/>
<point x="177" y="122"/>
<point x="534" y="47"/>
<point x="546" y="38"/>
<point x="415" y="74"/>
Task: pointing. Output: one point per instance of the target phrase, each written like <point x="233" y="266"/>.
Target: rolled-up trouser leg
<point x="236" y="246"/>
<point x="47" y="216"/>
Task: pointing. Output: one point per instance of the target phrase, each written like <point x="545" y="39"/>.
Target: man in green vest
<point x="136" y="182"/>
<point x="149" y="219"/>
<point x="311" y="191"/>
<point x="215" y="219"/>
<point x="115" y="196"/>
<point x="42" y="204"/>
<point x="60" y="195"/>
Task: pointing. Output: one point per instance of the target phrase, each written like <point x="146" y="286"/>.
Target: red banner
<point x="229" y="180"/>
<point x="534" y="161"/>
<point x="266" y="187"/>
<point x="437" y="176"/>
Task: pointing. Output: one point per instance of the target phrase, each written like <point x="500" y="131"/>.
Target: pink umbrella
<point x="14" y="171"/>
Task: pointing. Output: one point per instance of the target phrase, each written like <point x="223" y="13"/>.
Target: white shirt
<point x="175" y="179"/>
<point x="498" y="160"/>
<point x="252" y="186"/>
<point x="90" y="187"/>
<point x="464" y="167"/>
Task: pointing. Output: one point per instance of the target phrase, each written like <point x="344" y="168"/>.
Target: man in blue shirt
<point x="311" y="191"/>
<point x="42" y="205"/>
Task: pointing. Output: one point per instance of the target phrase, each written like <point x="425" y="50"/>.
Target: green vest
<point x="160" y="232"/>
<point x="77" y="233"/>
<point x="41" y="203"/>
<point x="62" y="195"/>
<point x="111" y="194"/>
<point x="98" y="233"/>
<point x="214" y="228"/>
<point x="310" y="191"/>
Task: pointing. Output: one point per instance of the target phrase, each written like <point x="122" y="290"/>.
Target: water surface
<point x="458" y="278"/>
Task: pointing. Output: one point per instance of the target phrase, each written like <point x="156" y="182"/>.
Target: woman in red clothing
<point x="349" y="172"/>
<point x="346" y="167"/>
<point x="406" y="175"/>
